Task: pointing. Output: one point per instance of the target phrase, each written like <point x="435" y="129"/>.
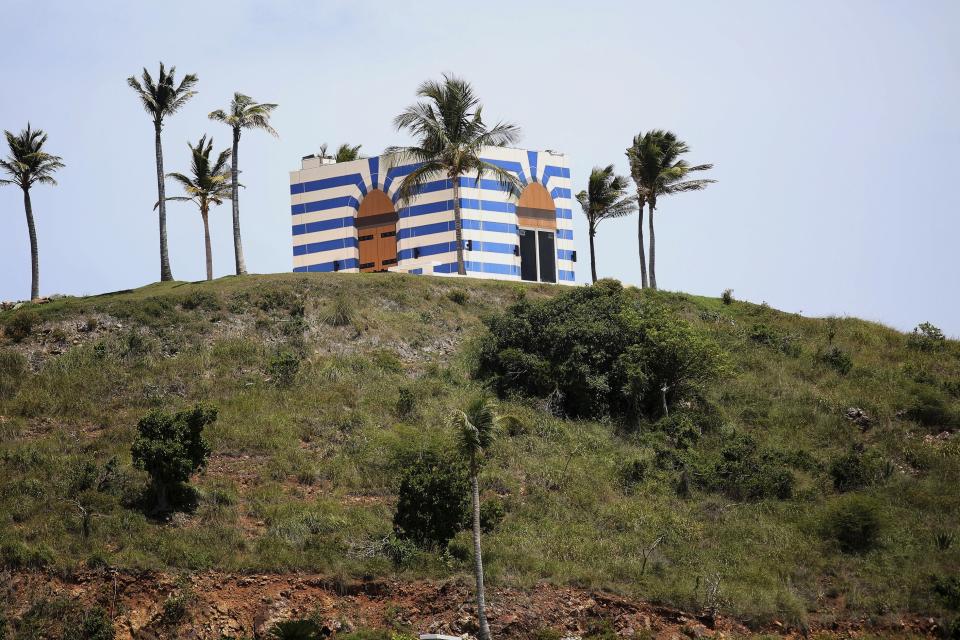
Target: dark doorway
<point x="528" y="255"/>
<point x="548" y="256"/>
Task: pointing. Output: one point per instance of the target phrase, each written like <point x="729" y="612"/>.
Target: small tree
<point x="432" y="504"/>
<point x="476" y="431"/>
<point x="171" y="448"/>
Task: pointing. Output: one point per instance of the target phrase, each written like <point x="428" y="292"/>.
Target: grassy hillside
<point x="330" y="386"/>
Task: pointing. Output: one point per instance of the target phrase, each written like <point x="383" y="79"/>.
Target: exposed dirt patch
<point x="219" y="604"/>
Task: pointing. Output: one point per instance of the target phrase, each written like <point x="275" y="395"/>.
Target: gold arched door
<point x="537" y="224"/>
<point x="377" y="232"/>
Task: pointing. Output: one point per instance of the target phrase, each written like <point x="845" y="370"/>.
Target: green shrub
<point x="13" y="371"/>
<point x="744" y="471"/>
<point x="727" y="296"/>
<point x="20" y="324"/>
<point x="171" y="447"/>
<point x="854" y="523"/>
<point x="17" y="555"/>
<point x="94" y="624"/>
<point x="633" y="472"/>
<point x="855" y="470"/>
<point x="406" y="406"/>
<point x="432" y="502"/>
<point x="930" y="408"/>
<point x="199" y="299"/>
<point x="947" y="588"/>
<point x="926" y="337"/>
<point x="304" y="629"/>
<point x="768" y="336"/>
<point x="400" y="551"/>
<point x="600" y="350"/>
<point x="837" y="358"/>
<point x="458" y="296"/>
<point x="492" y="513"/>
<point x="341" y="314"/>
<point x="284" y="367"/>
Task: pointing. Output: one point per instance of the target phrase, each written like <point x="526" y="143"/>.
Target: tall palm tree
<point x="450" y="134"/>
<point x="161" y="99"/>
<point x="476" y="431"/>
<point x="658" y="170"/>
<point x="28" y="164"/>
<point x="209" y="184"/>
<point x="605" y="197"/>
<point x="244" y="113"/>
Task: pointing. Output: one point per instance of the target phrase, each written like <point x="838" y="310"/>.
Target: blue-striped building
<point x="347" y="217"/>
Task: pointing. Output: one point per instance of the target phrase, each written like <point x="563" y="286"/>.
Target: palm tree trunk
<point x="237" y="245"/>
<point x="478" y="560"/>
<point x="593" y="257"/>
<point x="165" y="273"/>
<point x="34" y="251"/>
<point x="458" y="225"/>
<point x="643" y="259"/>
<point x="204" y="213"/>
<point x="653" y="251"/>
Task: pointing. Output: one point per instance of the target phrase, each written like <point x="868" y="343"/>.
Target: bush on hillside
<point x="855" y="470"/>
<point x="745" y="471"/>
<point x="766" y="335"/>
<point x="94" y="624"/>
<point x="727" y="296"/>
<point x="13" y="370"/>
<point x="838" y="359"/>
<point x="926" y="337"/>
<point x="284" y="366"/>
<point x="854" y="523"/>
<point x="171" y="448"/>
<point x="930" y="408"/>
<point x="19" y="326"/>
<point x="433" y="501"/>
<point x="601" y="351"/>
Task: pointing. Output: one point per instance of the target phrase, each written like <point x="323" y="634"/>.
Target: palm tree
<point x="244" y="113"/>
<point x="658" y="170"/>
<point x="346" y="153"/>
<point x="604" y="198"/>
<point x="210" y="184"/>
<point x="450" y="134"/>
<point x="476" y="431"/>
<point x="28" y="164"/>
<point x="162" y="99"/>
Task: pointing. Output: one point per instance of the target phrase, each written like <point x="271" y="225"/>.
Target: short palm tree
<point x="210" y="184"/>
<point x="605" y="197"/>
<point x="450" y="134"/>
<point x="658" y="170"/>
<point x="476" y="431"/>
<point x="346" y="153"/>
<point x="28" y="164"/>
<point x="244" y="113"/>
<point x="161" y="99"/>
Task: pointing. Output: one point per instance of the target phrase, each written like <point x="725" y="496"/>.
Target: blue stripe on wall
<point x="567" y="214"/>
<point x="323" y="225"/>
<point x="560" y="192"/>
<point x="330" y="183"/>
<point x="425" y="230"/>
<point x="565" y="234"/>
<point x="398" y="172"/>
<point x="566" y="275"/>
<point x="374" y="165"/>
<point x="349" y="263"/>
<point x="532" y="159"/>
<point x="323" y="205"/>
<point x="422" y="209"/>
<point x="486" y="225"/>
<point x="564" y="254"/>
<point x="428" y="250"/>
<point x="326" y="245"/>
<point x="551" y="171"/>
<point x="509" y="166"/>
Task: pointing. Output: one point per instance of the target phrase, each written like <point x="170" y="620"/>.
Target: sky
<point x="833" y="128"/>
